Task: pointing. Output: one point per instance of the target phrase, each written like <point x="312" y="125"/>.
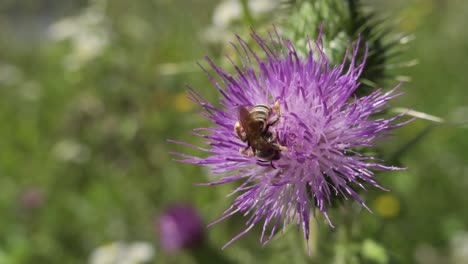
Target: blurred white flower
<point x="260" y="7"/>
<point x="122" y="253"/>
<point x="10" y="74"/>
<point x="229" y="12"/>
<point x="88" y="33"/>
<point x="427" y="254"/>
<point x="459" y="248"/>
<point x="215" y="35"/>
<point x="71" y="151"/>
<point x="226" y="12"/>
<point x="30" y="90"/>
<point x="460" y="116"/>
<point x="89" y="104"/>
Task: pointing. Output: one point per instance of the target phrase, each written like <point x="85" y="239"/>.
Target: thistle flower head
<point x="180" y="227"/>
<point x="317" y="128"/>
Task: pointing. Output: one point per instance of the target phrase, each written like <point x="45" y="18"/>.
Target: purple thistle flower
<point x="322" y="124"/>
<point x="180" y="227"/>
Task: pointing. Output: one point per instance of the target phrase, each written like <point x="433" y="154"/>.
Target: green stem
<point x="397" y="154"/>
<point x="344" y="252"/>
<point x="248" y="19"/>
<point x="206" y="254"/>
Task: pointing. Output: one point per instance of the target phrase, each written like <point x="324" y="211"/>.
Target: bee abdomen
<point x="260" y="112"/>
<point x="266" y="155"/>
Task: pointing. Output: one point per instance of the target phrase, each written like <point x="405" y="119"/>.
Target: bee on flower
<point x="308" y="118"/>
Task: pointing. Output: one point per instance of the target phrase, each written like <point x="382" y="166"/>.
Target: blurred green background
<point x="91" y="90"/>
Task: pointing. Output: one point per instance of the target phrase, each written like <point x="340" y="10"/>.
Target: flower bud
<point x="180" y="227"/>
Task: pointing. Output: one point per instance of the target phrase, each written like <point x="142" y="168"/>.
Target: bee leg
<point x="272" y="123"/>
<point x="277" y="110"/>
<point x="243" y="150"/>
<point x="238" y="130"/>
<point x="271" y="163"/>
<point x="250" y="153"/>
<point x="279" y="147"/>
<point x="270" y="137"/>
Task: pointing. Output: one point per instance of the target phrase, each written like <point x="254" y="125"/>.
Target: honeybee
<point x="253" y="128"/>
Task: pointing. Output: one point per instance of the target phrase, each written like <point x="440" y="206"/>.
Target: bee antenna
<point x="271" y="163"/>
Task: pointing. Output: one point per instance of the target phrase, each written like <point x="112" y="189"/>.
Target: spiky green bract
<point x="344" y="20"/>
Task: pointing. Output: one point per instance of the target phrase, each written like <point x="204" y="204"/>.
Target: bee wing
<point x="244" y="115"/>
